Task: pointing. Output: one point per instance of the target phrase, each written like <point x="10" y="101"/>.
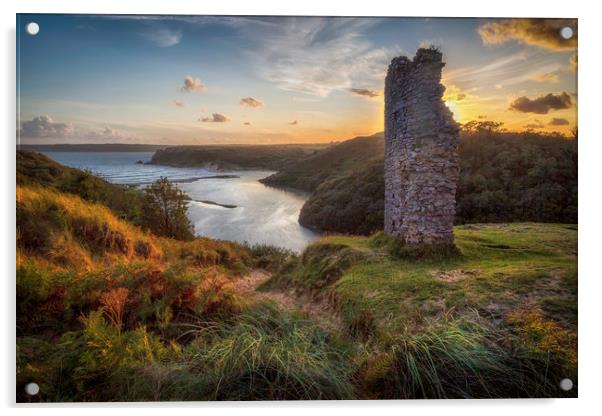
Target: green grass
<point x="108" y="311"/>
<point x="500" y="266"/>
<point x="525" y="270"/>
<point x="259" y="354"/>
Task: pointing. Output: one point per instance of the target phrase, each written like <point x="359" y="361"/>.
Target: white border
<point x="590" y="177"/>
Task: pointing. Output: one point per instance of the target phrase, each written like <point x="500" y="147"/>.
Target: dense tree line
<point x="504" y="177"/>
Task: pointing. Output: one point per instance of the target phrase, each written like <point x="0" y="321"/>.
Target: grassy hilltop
<point x="109" y="310"/>
<point x="432" y="323"/>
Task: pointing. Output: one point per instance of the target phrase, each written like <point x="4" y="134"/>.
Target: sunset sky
<point x="206" y="80"/>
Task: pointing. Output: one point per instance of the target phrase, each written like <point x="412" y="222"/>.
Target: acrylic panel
<point x="218" y="208"/>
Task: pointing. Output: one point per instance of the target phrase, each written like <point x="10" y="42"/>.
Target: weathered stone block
<point x="421" y="152"/>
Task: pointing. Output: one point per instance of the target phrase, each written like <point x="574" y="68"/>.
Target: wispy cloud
<point x="163" y="37"/>
<point x="294" y="123"/>
<point x="507" y="70"/>
<point x="546" y="77"/>
<point x="109" y="133"/>
<point x="178" y="104"/>
<point x="573" y="63"/>
<point x="318" y="55"/>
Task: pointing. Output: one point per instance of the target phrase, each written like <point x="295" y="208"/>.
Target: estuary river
<point x="236" y="207"/>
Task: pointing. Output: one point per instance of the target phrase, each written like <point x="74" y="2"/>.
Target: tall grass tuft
<point x="113" y="303"/>
<point x="265" y="354"/>
<point x="457" y="358"/>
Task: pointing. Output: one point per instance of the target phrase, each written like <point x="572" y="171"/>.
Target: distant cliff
<point x="101" y="147"/>
<point x="232" y="157"/>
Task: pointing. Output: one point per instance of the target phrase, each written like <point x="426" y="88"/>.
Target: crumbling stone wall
<point x="421" y="152"/>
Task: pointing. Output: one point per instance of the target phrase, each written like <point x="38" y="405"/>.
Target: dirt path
<point x="319" y="311"/>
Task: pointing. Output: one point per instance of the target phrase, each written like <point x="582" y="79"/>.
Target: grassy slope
<point x="502" y="267"/>
<point x="36" y="169"/>
<point x="107" y="311"/>
<point x="512" y="291"/>
<point x="331" y="163"/>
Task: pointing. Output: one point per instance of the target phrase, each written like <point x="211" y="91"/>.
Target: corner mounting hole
<point x="566" y="32"/>
<point x="566" y="384"/>
<point x="32" y="389"/>
<point x="32" y="28"/>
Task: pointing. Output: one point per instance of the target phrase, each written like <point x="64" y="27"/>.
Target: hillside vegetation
<point x="139" y="207"/>
<point x="307" y="174"/>
<point x="106" y="311"/>
<point x="110" y="311"/>
<point x="233" y="157"/>
<point x="504" y="177"/>
<point x="468" y="326"/>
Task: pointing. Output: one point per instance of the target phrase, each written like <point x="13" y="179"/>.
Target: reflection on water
<point x="262" y="215"/>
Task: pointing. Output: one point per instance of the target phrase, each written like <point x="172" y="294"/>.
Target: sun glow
<point x="454" y="108"/>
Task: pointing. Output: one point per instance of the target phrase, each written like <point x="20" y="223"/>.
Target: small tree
<point x="165" y="210"/>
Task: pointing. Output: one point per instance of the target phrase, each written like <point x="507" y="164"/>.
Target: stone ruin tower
<point x="421" y="152"/>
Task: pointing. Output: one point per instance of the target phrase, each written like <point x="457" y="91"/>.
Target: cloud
<point x="543" y="104"/>
<point x="559" y="122"/>
<point x="109" y="133"/>
<point x="455" y="94"/>
<point x="294" y="123"/>
<point x="179" y="104"/>
<point x="535" y="125"/>
<point x="246" y="123"/>
<point x="573" y="63"/>
<point x="215" y="118"/>
<point x="365" y="92"/>
<point x="546" y="77"/>
<point x="317" y="55"/>
<point x="251" y="102"/>
<point x="44" y="126"/>
<point x="163" y="38"/>
<point x="543" y="33"/>
<point x="85" y="26"/>
<point x="192" y="85"/>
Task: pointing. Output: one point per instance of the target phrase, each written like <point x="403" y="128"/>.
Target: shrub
<point x="270" y="258"/>
<point x="166" y="207"/>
